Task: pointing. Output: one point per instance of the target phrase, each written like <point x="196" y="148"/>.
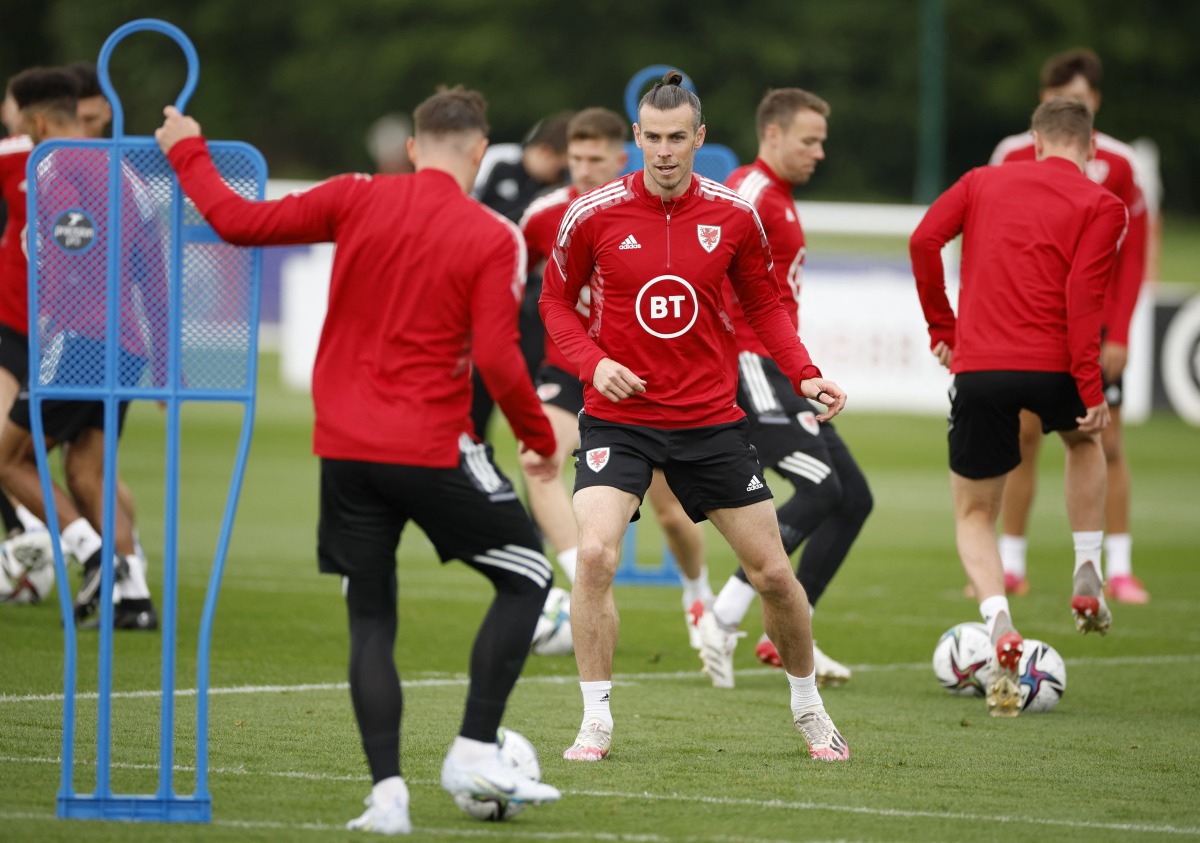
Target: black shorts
<point x="72" y="361"/>
<point x="985" y="416"/>
<point x="783" y="425"/>
<point x="14" y="353"/>
<point x="713" y="467"/>
<point x="559" y="388"/>
<point x="469" y="512"/>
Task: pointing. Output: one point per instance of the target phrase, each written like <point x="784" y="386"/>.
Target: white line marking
<point x="461" y="680"/>
<point x="766" y="804"/>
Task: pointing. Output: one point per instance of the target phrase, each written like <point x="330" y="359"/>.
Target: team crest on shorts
<point x="709" y="236"/>
<point x="548" y="391"/>
<point x="808" y="421"/>
<point x="596" y="459"/>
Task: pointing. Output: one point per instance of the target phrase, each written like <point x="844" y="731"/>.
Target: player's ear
<point x="637" y="135"/>
<point x="477" y="152"/>
<point x="700" y="136"/>
<point x="410" y="147"/>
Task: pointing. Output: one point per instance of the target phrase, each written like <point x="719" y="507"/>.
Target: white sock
<point x="733" y="602"/>
<point x="804" y="691"/>
<point x="596" y="700"/>
<point x="1087" y="548"/>
<point x="992" y="607"/>
<point x="1012" y="553"/>
<point x="28" y="520"/>
<point x="1118" y="555"/>
<point x="134" y="586"/>
<point x="567" y="561"/>
<point x="697" y="589"/>
<point x="81" y="540"/>
<point x="468" y="751"/>
<point x="391" y="789"/>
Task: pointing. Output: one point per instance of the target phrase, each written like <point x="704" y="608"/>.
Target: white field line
<point x="482" y="832"/>
<point x="762" y="804"/>
<point x="460" y="680"/>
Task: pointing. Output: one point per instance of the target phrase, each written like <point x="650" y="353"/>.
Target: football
<point x="960" y="659"/>
<point x="20" y="585"/>
<point x="1043" y="676"/>
<point x="552" y="635"/>
<point x="517" y="751"/>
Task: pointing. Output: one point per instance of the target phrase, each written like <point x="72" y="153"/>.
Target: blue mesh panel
<point x="159" y="307"/>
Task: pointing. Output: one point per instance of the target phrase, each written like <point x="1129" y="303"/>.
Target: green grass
<point x="1118" y="759"/>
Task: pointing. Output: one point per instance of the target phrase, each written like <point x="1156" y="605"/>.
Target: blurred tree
<point x="304" y="81"/>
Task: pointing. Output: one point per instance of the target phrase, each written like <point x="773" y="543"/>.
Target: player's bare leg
<point x="976" y="508"/>
<point x="1121" y="584"/>
<point x="1017" y="503"/>
<point x="753" y="534"/>
<point x="685" y="540"/>
<point x="1085" y="476"/>
<point x="549" y="500"/>
<point x="602" y="513"/>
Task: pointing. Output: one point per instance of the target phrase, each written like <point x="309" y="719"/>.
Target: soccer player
<point x="425" y="279"/>
<point x="507" y="183"/>
<point x="831" y="499"/>
<point x="1039" y="244"/>
<point x="595" y="155"/>
<point x="1076" y="74"/>
<point x="95" y="112"/>
<point x="657" y="359"/>
<point x="46" y="98"/>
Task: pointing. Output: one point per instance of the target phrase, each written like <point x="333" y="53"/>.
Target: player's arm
<point x="756" y="288"/>
<point x="496" y="342"/>
<point x="307" y="217"/>
<point x="941" y="224"/>
<point x="566" y="272"/>
<point x="1126" y="283"/>
<point x="1090" y="272"/>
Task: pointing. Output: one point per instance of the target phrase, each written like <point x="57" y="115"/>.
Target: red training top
<point x="540" y="224"/>
<point x="1114" y="168"/>
<point x="771" y="196"/>
<point x="656" y="269"/>
<point x="14" y="276"/>
<point x="424" y="279"/>
<point x="1039" y="242"/>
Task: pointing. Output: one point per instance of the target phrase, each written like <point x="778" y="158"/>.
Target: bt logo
<point x="667" y="306"/>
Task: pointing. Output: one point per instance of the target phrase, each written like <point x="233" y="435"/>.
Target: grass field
<point x="1118" y="759"/>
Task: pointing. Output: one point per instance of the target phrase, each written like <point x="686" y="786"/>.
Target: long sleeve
<point x="1090" y="273"/>
<point x="1128" y="276"/>
<point x="766" y="304"/>
<point x="941" y="224"/>
<point x="496" y="349"/>
<point x="566" y="273"/>
<point x="306" y="217"/>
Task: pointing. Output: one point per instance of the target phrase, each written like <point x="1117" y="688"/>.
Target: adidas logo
<point x="754" y="485"/>
<point x="630" y="243"/>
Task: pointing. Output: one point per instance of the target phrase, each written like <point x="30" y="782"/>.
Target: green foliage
<point x="304" y="81"/>
<point x="1119" y="757"/>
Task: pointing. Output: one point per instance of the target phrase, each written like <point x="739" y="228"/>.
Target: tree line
<point x="304" y="81"/>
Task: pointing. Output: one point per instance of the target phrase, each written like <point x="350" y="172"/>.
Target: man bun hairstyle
<point x="668" y="93"/>
<point x="451" y="111"/>
<point x="1062" y="68"/>
<point x="48" y="89"/>
<point x="597" y="124"/>
<point x="1063" y="121"/>
<point x="780" y="105"/>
